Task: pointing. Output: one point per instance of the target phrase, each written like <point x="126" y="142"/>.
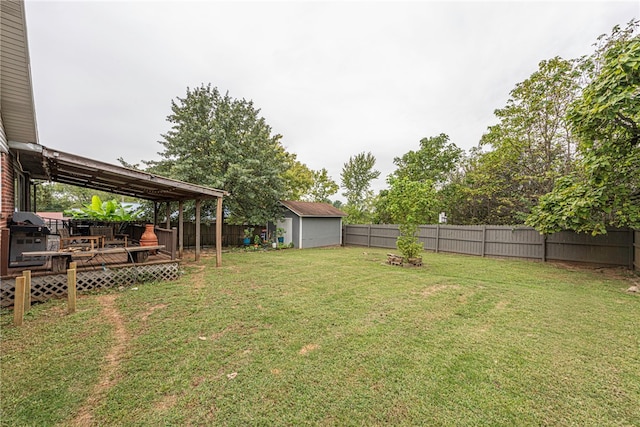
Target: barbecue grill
<point x="27" y="233"/>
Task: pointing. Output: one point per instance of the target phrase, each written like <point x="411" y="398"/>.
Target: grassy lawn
<point x="334" y="337"/>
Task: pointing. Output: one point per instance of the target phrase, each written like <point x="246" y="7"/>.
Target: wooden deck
<point x="57" y="261"/>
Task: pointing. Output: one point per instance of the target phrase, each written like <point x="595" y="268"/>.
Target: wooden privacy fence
<point x="614" y="248"/>
<point x="232" y="235"/>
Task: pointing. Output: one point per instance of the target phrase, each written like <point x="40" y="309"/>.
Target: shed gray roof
<point x="312" y="209"/>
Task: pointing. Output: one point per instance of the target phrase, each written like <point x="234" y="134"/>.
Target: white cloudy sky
<point x="334" y="78"/>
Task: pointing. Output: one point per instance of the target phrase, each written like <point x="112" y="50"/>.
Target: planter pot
<point x="274" y="245"/>
<point x="149" y="237"/>
<point x="281" y="239"/>
<point x="246" y="241"/>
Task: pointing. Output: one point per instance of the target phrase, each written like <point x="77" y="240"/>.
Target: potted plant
<point x="248" y="232"/>
<point x="256" y="241"/>
<point x="280" y="234"/>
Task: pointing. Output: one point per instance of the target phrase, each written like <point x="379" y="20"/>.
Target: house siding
<point x="4" y="145"/>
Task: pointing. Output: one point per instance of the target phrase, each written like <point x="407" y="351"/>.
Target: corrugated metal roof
<point x="312" y="209"/>
<point x="53" y="165"/>
<point x="16" y="94"/>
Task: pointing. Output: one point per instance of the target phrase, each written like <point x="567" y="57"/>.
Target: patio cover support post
<point x="168" y="226"/>
<point x="219" y="220"/>
<point x="155" y="213"/>
<point x="198" y="204"/>
<point x="180" y="229"/>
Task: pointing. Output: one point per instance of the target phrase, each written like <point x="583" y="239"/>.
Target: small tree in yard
<point x="411" y="203"/>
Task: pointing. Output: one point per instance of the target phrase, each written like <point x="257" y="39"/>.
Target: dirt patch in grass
<point x="308" y="349"/>
<point x="150" y="311"/>
<point x="167" y="402"/>
<point x="501" y="305"/>
<point x="109" y="375"/>
<point x="426" y="292"/>
<point x="197" y="278"/>
<point x="612" y="272"/>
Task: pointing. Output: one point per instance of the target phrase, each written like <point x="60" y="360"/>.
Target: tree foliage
<point x="411" y="203"/>
<point x="323" y="187"/>
<point x="434" y="161"/>
<point x="530" y="147"/>
<point x="222" y="142"/>
<point x="605" y="189"/>
<point x="298" y="179"/>
<point x="57" y="197"/>
<point x="356" y="177"/>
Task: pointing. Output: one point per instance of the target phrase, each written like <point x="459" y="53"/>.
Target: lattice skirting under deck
<point x="52" y="286"/>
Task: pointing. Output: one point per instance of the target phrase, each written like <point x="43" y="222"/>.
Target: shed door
<point x="287" y="224"/>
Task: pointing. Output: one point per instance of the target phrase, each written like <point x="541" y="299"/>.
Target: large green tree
<point x="434" y="161"/>
<point x="306" y="184"/>
<point x="520" y="158"/>
<point x="323" y="187"/>
<point x="222" y="142"/>
<point x="298" y="179"/>
<point x="356" y="177"/>
<point x="605" y="189"/>
<point x="435" y="164"/>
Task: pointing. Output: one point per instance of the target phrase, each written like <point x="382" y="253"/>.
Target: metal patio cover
<point x="54" y="165"/>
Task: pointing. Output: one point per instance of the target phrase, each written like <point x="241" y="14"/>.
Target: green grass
<point x="336" y="337"/>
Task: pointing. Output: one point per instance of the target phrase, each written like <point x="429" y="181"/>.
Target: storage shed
<point x="311" y="225"/>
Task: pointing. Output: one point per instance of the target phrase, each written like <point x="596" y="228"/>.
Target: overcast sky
<point x="334" y="78"/>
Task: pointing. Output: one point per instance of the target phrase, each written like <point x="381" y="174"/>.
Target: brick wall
<point x="6" y="207"/>
<point x="6" y="189"/>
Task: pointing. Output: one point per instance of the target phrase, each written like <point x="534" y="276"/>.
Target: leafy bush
<point x="408" y="243"/>
<point x="110" y="210"/>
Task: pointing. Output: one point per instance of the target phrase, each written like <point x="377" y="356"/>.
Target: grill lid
<point x="24" y="218"/>
<point x="27" y="222"/>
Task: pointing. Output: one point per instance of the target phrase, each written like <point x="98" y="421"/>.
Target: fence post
<point x="484" y="239"/>
<point x="369" y="236"/>
<point x="544" y="248"/>
<point x="631" y="246"/>
<point x="71" y="288"/>
<point x="27" y="290"/>
<point x="18" y="302"/>
<point x="437" y="237"/>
